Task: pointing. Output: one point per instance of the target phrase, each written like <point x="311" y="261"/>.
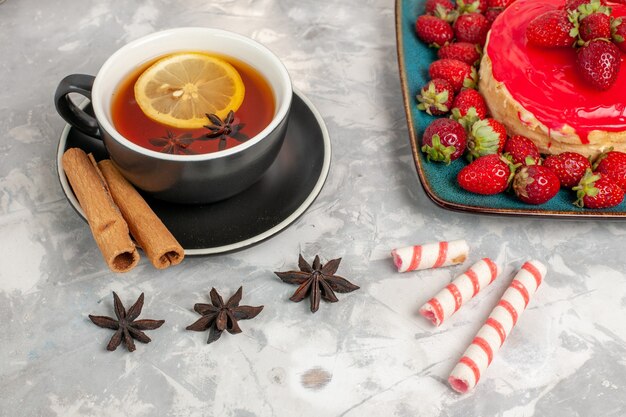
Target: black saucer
<point x="284" y="192"/>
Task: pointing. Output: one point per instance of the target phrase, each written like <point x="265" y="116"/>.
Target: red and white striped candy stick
<point x="430" y="255"/>
<point x="458" y="292"/>
<point x="494" y="332"/>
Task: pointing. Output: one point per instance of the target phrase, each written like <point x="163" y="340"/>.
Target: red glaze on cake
<point x="537" y="92"/>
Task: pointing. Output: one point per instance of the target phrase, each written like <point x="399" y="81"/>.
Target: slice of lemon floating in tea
<point x="180" y="89"/>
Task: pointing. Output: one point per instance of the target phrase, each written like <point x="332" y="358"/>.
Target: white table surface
<point x="371" y="354"/>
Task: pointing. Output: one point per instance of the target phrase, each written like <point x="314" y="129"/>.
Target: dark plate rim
<point x="317" y="188"/>
<point x="412" y="125"/>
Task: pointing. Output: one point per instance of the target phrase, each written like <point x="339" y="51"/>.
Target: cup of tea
<point x="189" y="115"/>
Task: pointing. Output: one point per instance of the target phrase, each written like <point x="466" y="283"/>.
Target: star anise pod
<point x="317" y="281"/>
<point x="220" y="129"/>
<point x="218" y="316"/>
<point x="127" y="326"/>
<point x="174" y="144"/>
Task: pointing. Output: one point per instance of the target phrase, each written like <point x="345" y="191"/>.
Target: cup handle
<point x="78" y="118"/>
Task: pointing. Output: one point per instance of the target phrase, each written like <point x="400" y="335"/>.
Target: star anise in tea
<point x="174" y="144"/>
<point x="220" y="129"/>
<point x="219" y="316"/>
<point x="317" y="281"/>
<point x="126" y="327"/>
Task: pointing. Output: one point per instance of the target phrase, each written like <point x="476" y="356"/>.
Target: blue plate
<point x="439" y="180"/>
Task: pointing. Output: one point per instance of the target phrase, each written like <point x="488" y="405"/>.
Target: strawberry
<point x="585" y="8"/>
<point x="463" y="51"/>
<point x="444" y="140"/>
<point x="551" y="29"/>
<point x="466" y="120"/>
<point x="472" y="28"/>
<point x="433" y="31"/>
<point x="486" y="137"/>
<point x="572" y="5"/>
<point x="492" y="13"/>
<point x="472" y="6"/>
<point x="612" y="164"/>
<point x="521" y="149"/>
<point x="500" y="3"/>
<point x="591" y="20"/>
<point x="487" y="175"/>
<point x="568" y="166"/>
<point x="618" y="33"/>
<point x="468" y="108"/>
<point x="456" y="72"/>
<point x="596" y="25"/>
<point x="598" y="63"/>
<point x="436" y="7"/>
<point x="436" y="97"/>
<point x="535" y="184"/>
<point x="467" y="99"/>
<point x="596" y="190"/>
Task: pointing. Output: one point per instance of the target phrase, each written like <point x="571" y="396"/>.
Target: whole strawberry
<point x="435" y="7"/>
<point x="550" y="30"/>
<point x="492" y="13"/>
<point x="472" y="6"/>
<point x="618" y="33"/>
<point x="569" y="167"/>
<point x="467" y="120"/>
<point x="612" y="164"/>
<point x="471" y="28"/>
<point x="500" y="3"/>
<point x="463" y="51"/>
<point x="487" y="136"/>
<point x="444" y="140"/>
<point x="487" y="175"/>
<point x="596" y="190"/>
<point x="436" y="97"/>
<point x="598" y="63"/>
<point x="522" y="150"/>
<point x="591" y="20"/>
<point x="596" y="25"/>
<point x="456" y="72"/>
<point x="535" y="184"/>
<point x="467" y="99"/>
<point x="433" y="30"/>
<point x="572" y="5"/>
<point x="468" y="108"/>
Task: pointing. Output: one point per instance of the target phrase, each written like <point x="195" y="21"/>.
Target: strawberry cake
<point x="537" y="92"/>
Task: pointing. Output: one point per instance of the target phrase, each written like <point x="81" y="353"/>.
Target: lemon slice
<point x="178" y="90"/>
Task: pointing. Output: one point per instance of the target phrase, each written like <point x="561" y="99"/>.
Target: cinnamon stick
<point x="108" y="227"/>
<point x="153" y="237"/>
